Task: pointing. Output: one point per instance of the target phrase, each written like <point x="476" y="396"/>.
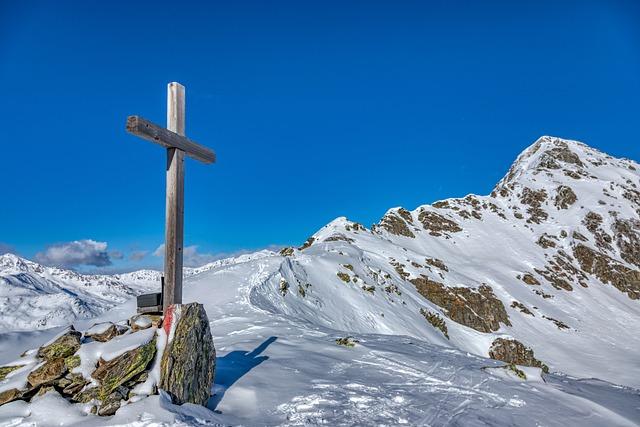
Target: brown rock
<point x="565" y="197"/>
<point x="513" y="351"/>
<point x="530" y="280"/>
<point x="145" y="321"/>
<point x="9" y="396"/>
<point x="395" y="225"/>
<point x="46" y="374"/>
<point x="110" y="331"/>
<point x="478" y="309"/>
<point x="608" y="270"/>
<point x="437" y="224"/>
<point x="73" y="385"/>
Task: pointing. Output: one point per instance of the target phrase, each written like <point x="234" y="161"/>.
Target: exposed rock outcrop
<point x="478" y="309"/>
<point x="608" y="270"/>
<point x="395" y="224"/>
<point x="437" y="224"/>
<point x="513" y="351"/>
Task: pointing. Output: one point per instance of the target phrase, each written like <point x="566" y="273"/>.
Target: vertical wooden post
<point x="174" y="225"/>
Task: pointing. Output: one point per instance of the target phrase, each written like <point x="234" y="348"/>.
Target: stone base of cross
<point x="173" y="139"/>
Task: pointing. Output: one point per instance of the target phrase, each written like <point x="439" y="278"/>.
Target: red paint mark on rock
<point x="168" y="319"/>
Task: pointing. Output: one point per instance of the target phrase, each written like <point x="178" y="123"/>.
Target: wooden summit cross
<point x="177" y="146"/>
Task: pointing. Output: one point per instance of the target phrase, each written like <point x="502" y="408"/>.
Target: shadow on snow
<point x="233" y="366"/>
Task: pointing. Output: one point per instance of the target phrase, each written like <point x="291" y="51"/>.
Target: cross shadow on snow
<point x="233" y="366"/>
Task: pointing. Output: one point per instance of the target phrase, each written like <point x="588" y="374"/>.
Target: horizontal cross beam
<point x="145" y="129"/>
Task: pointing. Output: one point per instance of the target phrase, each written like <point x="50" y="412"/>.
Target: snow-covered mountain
<point x="551" y="258"/>
<point x="34" y="296"/>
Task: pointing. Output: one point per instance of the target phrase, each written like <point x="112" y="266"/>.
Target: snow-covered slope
<point x="274" y="369"/>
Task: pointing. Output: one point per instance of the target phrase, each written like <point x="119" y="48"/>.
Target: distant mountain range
<point x="34" y="296"/>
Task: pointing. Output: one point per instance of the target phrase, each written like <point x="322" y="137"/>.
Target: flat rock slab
<point x="116" y="372"/>
<point x="63" y="346"/>
<point x="47" y="373"/>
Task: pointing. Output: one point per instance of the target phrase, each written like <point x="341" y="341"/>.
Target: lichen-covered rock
<point x="72" y="361"/>
<point x="73" y="383"/>
<point x="478" y="309"/>
<point x="64" y="346"/>
<point x="513" y="351"/>
<point x="188" y="362"/>
<point x="46" y="374"/>
<point x="87" y="395"/>
<point x="112" y="403"/>
<point x="118" y="371"/>
<point x="6" y="370"/>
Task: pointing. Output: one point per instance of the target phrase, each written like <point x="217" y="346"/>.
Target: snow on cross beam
<point x="177" y="145"/>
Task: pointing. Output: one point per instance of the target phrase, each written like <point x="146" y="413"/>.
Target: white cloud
<point x="190" y="256"/>
<point x="137" y="255"/>
<point x="78" y="252"/>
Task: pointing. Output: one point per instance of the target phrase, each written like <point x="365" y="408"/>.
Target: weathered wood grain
<point x="150" y="131"/>
<point x="174" y="225"/>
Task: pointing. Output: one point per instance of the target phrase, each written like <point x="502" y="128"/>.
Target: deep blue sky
<point x="315" y="109"/>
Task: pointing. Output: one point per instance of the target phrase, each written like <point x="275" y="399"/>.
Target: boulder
<point x="9" y="395"/>
<point x="188" y="362"/>
<point x="514" y="352"/>
<point x="102" y="332"/>
<point x="72" y="384"/>
<point x="116" y="372"/>
<point x="144" y="321"/>
<point x="112" y="402"/>
<point x="46" y="374"/>
<point x="63" y="346"/>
